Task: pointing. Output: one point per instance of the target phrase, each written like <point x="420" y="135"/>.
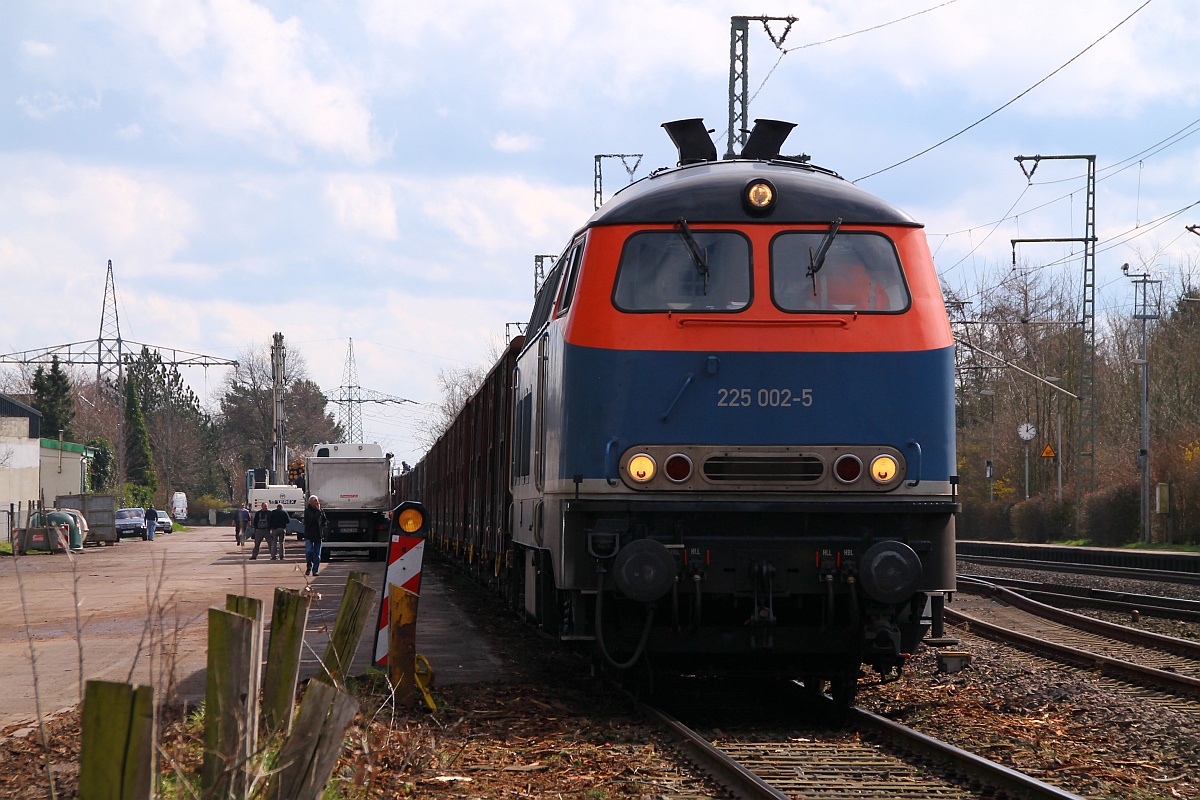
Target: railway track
<point x="1162" y="662"/>
<point x="1144" y="565"/>
<point x="861" y="761"/>
<point x="1067" y="596"/>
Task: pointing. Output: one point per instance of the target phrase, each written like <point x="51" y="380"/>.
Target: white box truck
<point x="354" y="482"/>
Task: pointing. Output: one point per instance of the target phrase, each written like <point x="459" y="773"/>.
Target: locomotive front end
<point x="733" y="428"/>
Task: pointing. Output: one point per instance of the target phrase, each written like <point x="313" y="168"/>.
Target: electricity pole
<point x="739" y="74"/>
<point x="598" y="179"/>
<point x="1085" y="471"/>
<point x="278" y="381"/>
<point x="1142" y="287"/>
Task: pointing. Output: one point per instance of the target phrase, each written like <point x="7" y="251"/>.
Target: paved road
<point x="139" y="604"/>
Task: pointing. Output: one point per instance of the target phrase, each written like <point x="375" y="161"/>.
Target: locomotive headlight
<point x="884" y="468"/>
<point x="759" y="196"/>
<point x="642" y="468"/>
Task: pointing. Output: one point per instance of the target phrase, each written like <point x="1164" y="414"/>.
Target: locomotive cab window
<point x="860" y="272"/>
<point x="684" y="270"/>
<point x="572" y="261"/>
<point x="543" y="304"/>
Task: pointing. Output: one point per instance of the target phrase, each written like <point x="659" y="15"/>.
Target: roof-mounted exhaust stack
<point x="693" y="141"/>
<point x="696" y="146"/>
<point x="766" y="139"/>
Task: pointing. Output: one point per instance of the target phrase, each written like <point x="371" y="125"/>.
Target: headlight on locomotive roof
<point x="759" y="196"/>
<point x="642" y="468"/>
<point x="884" y="468"/>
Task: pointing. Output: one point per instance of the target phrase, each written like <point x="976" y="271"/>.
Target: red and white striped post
<point x="405" y="553"/>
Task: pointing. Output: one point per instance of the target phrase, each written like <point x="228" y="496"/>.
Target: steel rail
<point x="739" y="781"/>
<point x="1114" y="667"/>
<point x="1060" y="595"/>
<point x="745" y="785"/>
<point x="1122" y="633"/>
<point x="1132" y="573"/>
<point x="1015" y="783"/>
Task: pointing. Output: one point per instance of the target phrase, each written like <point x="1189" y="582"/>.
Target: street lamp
<point x="991" y="468"/>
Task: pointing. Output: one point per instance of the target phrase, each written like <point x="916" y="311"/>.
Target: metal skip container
<point x="100" y="511"/>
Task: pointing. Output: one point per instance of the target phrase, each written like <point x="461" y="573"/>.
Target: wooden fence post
<point x="251" y="607"/>
<point x="310" y="753"/>
<point x="231" y="694"/>
<point x="117" y="742"/>
<point x="289" y="616"/>
<point x="402" y="643"/>
<point x="347" y="630"/>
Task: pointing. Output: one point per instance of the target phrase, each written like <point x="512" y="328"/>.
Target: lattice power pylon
<point x="350" y="397"/>
<point x="107" y="353"/>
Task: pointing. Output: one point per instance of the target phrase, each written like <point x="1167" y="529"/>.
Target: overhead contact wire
<point x="980" y="121"/>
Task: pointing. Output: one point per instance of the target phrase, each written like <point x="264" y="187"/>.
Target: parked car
<point x="165" y="525"/>
<point x="131" y="522"/>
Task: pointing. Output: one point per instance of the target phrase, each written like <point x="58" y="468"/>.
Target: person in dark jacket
<point x="151" y="518"/>
<point x="262" y="530"/>
<point x="314" y="532"/>
<point x="278" y="520"/>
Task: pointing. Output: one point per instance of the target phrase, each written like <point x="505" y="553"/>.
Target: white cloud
<point x="44" y="105"/>
<point x="130" y="132"/>
<point x="276" y="86"/>
<point x="515" y="142"/>
<point x="37" y="49"/>
<point x="500" y="215"/>
<point x="363" y="205"/>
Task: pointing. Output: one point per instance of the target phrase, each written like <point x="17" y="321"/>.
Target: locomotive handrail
<point x="682" y="389"/>
<point x="916" y="444"/>
<point x="610" y="463"/>
<point x="802" y="323"/>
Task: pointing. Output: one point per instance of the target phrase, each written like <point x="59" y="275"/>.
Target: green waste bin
<point x="54" y="518"/>
<point x="74" y="535"/>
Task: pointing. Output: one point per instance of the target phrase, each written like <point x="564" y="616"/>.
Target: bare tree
<point x="457" y="385"/>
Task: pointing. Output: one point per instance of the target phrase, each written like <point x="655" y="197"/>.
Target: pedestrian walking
<point x="278" y="520"/>
<point x="241" y="521"/>
<point x="314" y="533"/>
<point x="262" y="529"/>
<point x="151" y="517"/>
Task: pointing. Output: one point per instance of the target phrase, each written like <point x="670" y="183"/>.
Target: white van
<point x="179" y="507"/>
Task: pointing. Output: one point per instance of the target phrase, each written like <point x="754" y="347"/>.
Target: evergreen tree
<point x="139" y="458"/>
<point x="54" y="397"/>
<point x="100" y="471"/>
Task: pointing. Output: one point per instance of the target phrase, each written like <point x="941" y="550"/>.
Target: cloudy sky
<point x="386" y="171"/>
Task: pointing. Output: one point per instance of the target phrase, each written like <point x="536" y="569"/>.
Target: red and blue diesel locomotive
<point x="726" y="441"/>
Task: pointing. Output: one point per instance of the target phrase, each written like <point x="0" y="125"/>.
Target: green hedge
<point x="1111" y="515"/>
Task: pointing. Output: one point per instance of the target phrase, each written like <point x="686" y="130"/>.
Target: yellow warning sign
<point x="1048" y="452"/>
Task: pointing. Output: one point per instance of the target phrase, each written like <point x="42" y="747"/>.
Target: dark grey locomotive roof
<point x="712" y="191"/>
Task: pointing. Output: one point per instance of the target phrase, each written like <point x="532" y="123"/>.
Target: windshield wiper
<point x="817" y="260"/>
<point x="698" y="257"/>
